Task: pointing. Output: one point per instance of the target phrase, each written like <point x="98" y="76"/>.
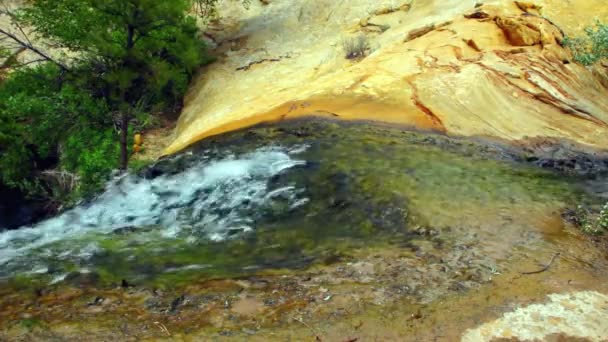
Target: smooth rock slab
<point x="576" y="315"/>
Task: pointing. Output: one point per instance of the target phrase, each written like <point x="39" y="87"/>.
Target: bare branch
<point x="21" y="40"/>
<point x="30" y="47"/>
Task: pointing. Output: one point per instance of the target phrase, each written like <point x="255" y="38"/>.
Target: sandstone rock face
<point x="564" y="317"/>
<point x="495" y="68"/>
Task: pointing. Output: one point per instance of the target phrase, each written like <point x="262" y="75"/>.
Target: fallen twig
<point x="544" y="268"/>
<point x="162" y="328"/>
<point x="317" y="338"/>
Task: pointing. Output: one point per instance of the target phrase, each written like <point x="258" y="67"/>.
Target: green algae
<point x="367" y="186"/>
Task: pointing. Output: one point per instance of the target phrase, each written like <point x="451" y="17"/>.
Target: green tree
<point x="134" y="54"/>
<point x="37" y="114"/>
<point x="91" y="70"/>
<point x="592" y="48"/>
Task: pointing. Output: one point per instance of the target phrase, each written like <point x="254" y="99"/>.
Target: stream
<point x="251" y="225"/>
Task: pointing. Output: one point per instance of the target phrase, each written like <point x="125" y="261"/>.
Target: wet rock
<point x="124" y="230"/>
<point x="17" y="211"/>
<point x="154" y="304"/>
<point x="249" y="331"/>
<point x="571" y="216"/>
<point x="458" y="286"/>
<point x="567" y="158"/>
<point x="400" y="289"/>
<point x="425" y="231"/>
<point x="339" y="190"/>
<point x="270" y="302"/>
<point x="96" y="301"/>
<point x="331" y="258"/>
<point x="125" y="284"/>
<point x="389" y="216"/>
<point x="259" y="284"/>
<point x="166" y="167"/>
<point x="79" y="279"/>
<point x="176" y="303"/>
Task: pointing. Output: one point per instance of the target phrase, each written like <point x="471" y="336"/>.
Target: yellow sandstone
<point x="495" y="68"/>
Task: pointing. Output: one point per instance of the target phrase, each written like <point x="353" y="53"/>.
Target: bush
<point x="355" y="47"/>
<point x="592" y="48"/>
<point x="38" y="114"/>
<point x="91" y="154"/>
<point x="592" y="224"/>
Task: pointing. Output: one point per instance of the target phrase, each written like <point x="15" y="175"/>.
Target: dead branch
<point x="317" y="338"/>
<point x="544" y="268"/>
<point x="66" y="180"/>
<point x="21" y="40"/>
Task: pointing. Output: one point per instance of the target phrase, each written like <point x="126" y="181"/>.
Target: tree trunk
<point x="124" y="141"/>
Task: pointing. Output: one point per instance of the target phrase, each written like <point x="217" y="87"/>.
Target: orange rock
<point x="517" y="32"/>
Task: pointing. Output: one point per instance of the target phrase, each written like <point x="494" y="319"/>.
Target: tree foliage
<point x="143" y="55"/>
<point x="114" y="63"/>
<point x="94" y="70"/>
<point x="37" y="113"/>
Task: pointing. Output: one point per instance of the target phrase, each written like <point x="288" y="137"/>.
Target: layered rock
<point x="496" y="68"/>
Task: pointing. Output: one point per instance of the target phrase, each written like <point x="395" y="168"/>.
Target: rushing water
<point x="285" y="198"/>
<point x="211" y="199"/>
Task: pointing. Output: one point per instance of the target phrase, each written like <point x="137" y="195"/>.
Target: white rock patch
<point x="579" y="314"/>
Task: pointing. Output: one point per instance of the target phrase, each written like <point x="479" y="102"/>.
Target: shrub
<point x="592" y="224"/>
<point x="592" y="48"/>
<point x="46" y="129"/>
<point x="91" y="154"/>
<point x="355" y="47"/>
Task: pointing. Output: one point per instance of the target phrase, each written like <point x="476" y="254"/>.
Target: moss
<point x="367" y="185"/>
<point x="31" y="323"/>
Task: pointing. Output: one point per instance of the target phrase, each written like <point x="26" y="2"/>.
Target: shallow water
<point x="332" y="222"/>
<point x="288" y="197"/>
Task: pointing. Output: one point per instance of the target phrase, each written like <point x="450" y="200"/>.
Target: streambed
<point x="311" y="221"/>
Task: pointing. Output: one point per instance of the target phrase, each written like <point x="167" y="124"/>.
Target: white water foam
<point x="213" y="199"/>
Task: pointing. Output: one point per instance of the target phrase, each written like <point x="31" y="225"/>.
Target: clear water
<point x="287" y="197"/>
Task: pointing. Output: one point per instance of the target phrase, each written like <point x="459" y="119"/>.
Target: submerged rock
<point x="83" y="279"/>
